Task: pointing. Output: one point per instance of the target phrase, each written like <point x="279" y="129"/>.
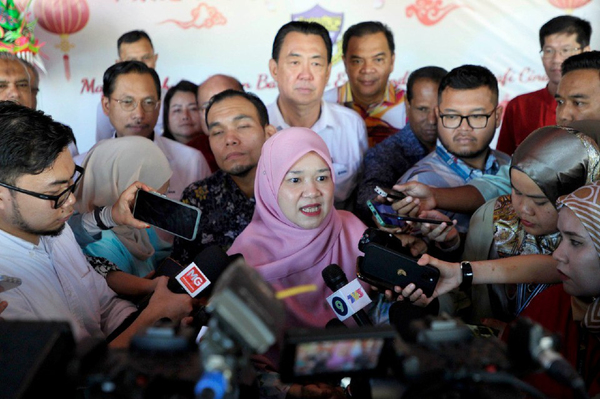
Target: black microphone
<point x="529" y="345"/>
<point x="334" y="277"/>
<point x="212" y="261"/>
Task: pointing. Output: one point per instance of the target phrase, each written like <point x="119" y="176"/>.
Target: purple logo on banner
<point x="330" y="20"/>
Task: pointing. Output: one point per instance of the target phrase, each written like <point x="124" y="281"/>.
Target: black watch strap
<point x="467" y="275"/>
<point x="99" y="223"/>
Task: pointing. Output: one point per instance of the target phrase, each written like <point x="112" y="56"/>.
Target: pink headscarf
<point x="285" y="254"/>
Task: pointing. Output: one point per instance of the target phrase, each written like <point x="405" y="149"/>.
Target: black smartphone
<point x="411" y="219"/>
<point x="166" y="214"/>
<point x="389" y="193"/>
<point x="385" y="269"/>
<point x="316" y="354"/>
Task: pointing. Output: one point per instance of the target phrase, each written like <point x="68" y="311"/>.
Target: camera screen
<point x="349" y="355"/>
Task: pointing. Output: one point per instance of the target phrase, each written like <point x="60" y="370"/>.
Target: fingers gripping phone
<point x="387" y="217"/>
<point x="389" y="193"/>
<point x="385" y="269"/>
<point x="166" y="214"/>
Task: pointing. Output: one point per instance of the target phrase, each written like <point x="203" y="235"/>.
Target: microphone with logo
<point x="334" y="277"/>
<point x="197" y="279"/>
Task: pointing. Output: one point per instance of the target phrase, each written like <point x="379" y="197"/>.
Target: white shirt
<point x="345" y="134"/>
<point x="187" y="164"/>
<point x="59" y="284"/>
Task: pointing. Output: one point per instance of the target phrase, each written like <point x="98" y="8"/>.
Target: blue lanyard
<point x="452" y="164"/>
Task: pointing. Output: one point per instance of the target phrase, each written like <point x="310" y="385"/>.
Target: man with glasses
<point x="468" y="115"/>
<point x="134" y="45"/>
<point x="37" y="181"/>
<point x="131" y="99"/>
<point x="560" y="38"/>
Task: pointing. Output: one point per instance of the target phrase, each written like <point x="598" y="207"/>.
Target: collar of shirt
<point x="325" y="119"/>
<point x="462" y="169"/>
<point x="392" y="96"/>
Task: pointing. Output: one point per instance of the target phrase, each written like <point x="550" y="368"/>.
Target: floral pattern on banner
<point x="203" y="16"/>
<point x="430" y="12"/>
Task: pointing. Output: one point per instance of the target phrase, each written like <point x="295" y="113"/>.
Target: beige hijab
<point x="113" y="165"/>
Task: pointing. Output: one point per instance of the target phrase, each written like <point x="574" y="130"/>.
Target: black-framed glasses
<point x="60" y="199"/>
<point x="566" y="52"/>
<point x="478" y="121"/>
<point x="129" y="104"/>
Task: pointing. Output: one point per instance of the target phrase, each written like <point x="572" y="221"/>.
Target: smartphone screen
<point x="7" y="282"/>
<point x="379" y="210"/>
<point x="166" y="214"/>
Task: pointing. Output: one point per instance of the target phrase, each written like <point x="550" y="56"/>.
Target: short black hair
<point x="30" y="141"/>
<point x="586" y="60"/>
<point x="467" y="77"/>
<point x="570" y="25"/>
<point x="261" y="109"/>
<point x="132" y="37"/>
<point x="432" y="73"/>
<point x="125" y="67"/>
<point x="368" y="28"/>
<point x="307" y="28"/>
<point x="184" y="86"/>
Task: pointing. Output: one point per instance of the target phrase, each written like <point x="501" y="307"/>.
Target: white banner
<point x="197" y="38"/>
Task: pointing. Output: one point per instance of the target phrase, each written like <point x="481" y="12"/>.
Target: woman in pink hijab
<point x="295" y="231"/>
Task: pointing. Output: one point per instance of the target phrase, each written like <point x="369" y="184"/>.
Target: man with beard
<point x="238" y="125"/>
<point x="37" y="181"/>
<point x="468" y="115"/>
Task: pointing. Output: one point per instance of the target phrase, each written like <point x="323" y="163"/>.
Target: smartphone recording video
<point x="166" y="214"/>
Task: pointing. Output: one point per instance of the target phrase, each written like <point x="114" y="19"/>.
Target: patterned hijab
<point x="287" y="255"/>
<point x="585" y="204"/>
<point x="113" y="165"/>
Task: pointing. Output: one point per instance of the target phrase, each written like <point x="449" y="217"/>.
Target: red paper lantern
<point x="62" y="17"/>
<point x="569" y="5"/>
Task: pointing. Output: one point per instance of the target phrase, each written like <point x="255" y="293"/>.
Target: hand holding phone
<point x="389" y="193"/>
<point x="386" y="217"/>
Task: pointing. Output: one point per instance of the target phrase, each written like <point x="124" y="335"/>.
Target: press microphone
<point x="211" y="261"/>
<point x="335" y="278"/>
<point x="528" y="339"/>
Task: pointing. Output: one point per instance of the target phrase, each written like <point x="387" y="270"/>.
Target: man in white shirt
<point x="131" y="101"/>
<point x="301" y="65"/>
<point x="134" y="45"/>
<point x="37" y="181"/>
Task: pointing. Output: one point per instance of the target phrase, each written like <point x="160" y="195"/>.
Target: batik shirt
<point x="226" y="211"/>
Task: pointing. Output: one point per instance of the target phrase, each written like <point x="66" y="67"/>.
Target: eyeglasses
<point x="60" y="199"/>
<point x="451" y="121"/>
<point x="129" y="104"/>
<point x="566" y="52"/>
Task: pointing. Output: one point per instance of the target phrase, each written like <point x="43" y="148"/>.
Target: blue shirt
<point x="442" y="169"/>
<point x="385" y="163"/>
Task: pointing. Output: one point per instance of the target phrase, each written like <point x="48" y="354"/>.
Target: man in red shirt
<point x="560" y="38"/>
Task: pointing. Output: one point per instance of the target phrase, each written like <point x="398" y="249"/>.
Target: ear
<point x="437" y="112"/>
<point x="270" y="130"/>
<point x="118" y="60"/>
<point x="328" y="72"/>
<point x="393" y="61"/>
<point x="498" y="115"/>
<point x="273" y="68"/>
<point x="586" y="48"/>
<point x="155" y="57"/>
<point x="105" y="107"/>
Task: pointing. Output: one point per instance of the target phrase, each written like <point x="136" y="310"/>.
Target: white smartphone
<point x="8" y="283"/>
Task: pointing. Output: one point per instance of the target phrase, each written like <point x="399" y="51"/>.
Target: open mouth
<point x="311" y="210"/>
